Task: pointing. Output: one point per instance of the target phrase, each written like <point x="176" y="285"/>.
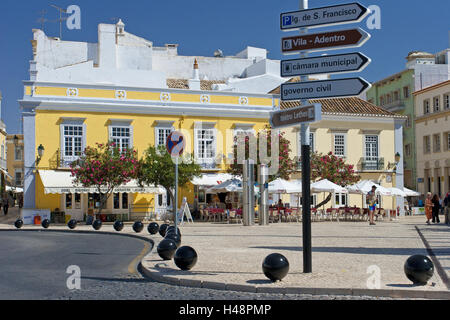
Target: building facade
<point x="432" y="122"/>
<point x="394" y="94"/>
<point x="14" y="159"/>
<point x="3" y="163"/>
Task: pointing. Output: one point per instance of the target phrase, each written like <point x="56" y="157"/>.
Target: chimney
<point x="107" y="46"/>
<point x="194" y="83"/>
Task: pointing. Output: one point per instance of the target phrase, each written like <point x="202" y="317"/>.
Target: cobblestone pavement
<point x="135" y="287"/>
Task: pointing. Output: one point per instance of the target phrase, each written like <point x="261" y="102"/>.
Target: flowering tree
<point x="286" y="164"/>
<point x="157" y="168"/>
<point x="328" y="166"/>
<point x="105" y="168"/>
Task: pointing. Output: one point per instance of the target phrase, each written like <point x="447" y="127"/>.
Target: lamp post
<point x="16" y="140"/>
<point x="40" y="150"/>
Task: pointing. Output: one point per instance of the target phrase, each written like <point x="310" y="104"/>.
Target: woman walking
<point x="436" y="208"/>
<point x="428" y="207"/>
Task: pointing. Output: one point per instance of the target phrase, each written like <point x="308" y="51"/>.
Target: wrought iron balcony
<point x="370" y="164"/>
<point x="394" y="105"/>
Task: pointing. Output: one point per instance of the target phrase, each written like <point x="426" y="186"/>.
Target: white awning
<point x="211" y="179"/>
<point x="60" y="182"/>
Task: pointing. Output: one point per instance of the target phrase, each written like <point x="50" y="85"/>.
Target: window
<point x="426" y="106"/>
<point x="396" y="95"/>
<point x="408" y="121"/>
<point x="448" y="142"/>
<point x="339" y="145"/>
<point x="406" y="92"/>
<point x="382" y="101"/>
<point x="120" y="201"/>
<point x="389" y="98"/>
<point x="437" y="143"/>
<point x="426" y="144"/>
<point x="371" y="152"/>
<point x="341" y="199"/>
<point x="161" y="135"/>
<point x="436" y="104"/>
<point x="3" y="152"/>
<point x="121" y="136"/>
<point x="18" y="153"/>
<point x="205" y="145"/>
<point x="408" y="150"/>
<point x="73" y="141"/>
<point x="18" y="177"/>
<point x="446" y="101"/>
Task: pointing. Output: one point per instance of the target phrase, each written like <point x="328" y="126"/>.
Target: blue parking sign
<point x="287" y="20"/>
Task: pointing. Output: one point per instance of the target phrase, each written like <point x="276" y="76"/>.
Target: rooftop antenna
<point x="42" y="20"/>
<point x="61" y="19"/>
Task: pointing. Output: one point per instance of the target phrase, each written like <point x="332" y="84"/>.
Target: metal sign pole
<point x="306" y="177"/>
<point x="175" y="205"/>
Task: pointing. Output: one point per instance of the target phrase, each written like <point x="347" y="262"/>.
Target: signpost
<point x="321" y="17"/>
<point x="353" y="62"/>
<point x="175" y="145"/>
<point x="330" y="40"/>
<point x="338" y="63"/>
<point x="294" y="116"/>
<point x="323" y="89"/>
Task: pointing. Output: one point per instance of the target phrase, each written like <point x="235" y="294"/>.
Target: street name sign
<point x="294" y="116"/>
<point x="323" y="89"/>
<point x="330" y="40"/>
<point x="339" y="63"/>
<point x="325" y="16"/>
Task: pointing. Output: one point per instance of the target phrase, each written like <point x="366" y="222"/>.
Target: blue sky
<point x="202" y="26"/>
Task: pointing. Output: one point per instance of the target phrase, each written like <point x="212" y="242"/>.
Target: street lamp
<point x="397" y="157"/>
<point x="40" y="150"/>
<point x="16" y="140"/>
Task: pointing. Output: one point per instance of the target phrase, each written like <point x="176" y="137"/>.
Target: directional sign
<point x="175" y="143"/>
<point x="325" y="16"/>
<point x="294" y="116"/>
<point x="323" y="89"/>
<point x="339" y="63"/>
<point x="330" y="40"/>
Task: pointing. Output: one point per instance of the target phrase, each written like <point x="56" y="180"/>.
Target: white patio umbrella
<point x="411" y="193"/>
<point x="232" y="185"/>
<point x="326" y="185"/>
<point x="283" y="186"/>
<point x="364" y="186"/>
<point x="397" y="192"/>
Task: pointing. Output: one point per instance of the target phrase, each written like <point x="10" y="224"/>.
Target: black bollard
<point x="18" y="224"/>
<point x="45" y="223"/>
<point x="97" y="224"/>
<point x="72" y="224"/>
<point x="166" y="249"/>
<point x="118" y="225"/>
<point x="138" y="226"/>
<point x="175" y="237"/>
<point x="419" y="269"/>
<point x="185" y="258"/>
<point x="162" y="229"/>
<point x="275" y="266"/>
<point x="153" y="228"/>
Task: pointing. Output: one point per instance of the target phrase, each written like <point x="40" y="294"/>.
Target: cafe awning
<point x="211" y="179"/>
<point x="60" y="182"/>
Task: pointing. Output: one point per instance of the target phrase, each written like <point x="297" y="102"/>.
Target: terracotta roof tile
<point x="184" y="83"/>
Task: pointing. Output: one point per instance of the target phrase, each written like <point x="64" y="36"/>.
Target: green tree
<point x="328" y="166"/>
<point x="157" y="168"/>
<point x="105" y="168"/>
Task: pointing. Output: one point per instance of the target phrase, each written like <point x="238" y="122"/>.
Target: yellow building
<point x="433" y="138"/>
<point x="14" y="159"/>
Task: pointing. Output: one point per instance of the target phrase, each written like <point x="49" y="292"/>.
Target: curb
<point x="441" y="295"/>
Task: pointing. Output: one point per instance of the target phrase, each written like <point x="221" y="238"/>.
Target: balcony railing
<point x="394" y="105"/>
<point x="370" y="164"/>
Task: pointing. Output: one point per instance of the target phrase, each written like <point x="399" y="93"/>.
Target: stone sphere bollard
<point x="153" y="228"/>
<point x="185" y="258"/>
<point x="72" y="224"/>
<point x="275" y="266"/>
<point x="118" y="225"/>
<point x="162" y="229"/>
<point x="18" y="224"/>
<point x="419" y="269"/>
<point x="172" y="230"/>
<point x="166" y="249"/>
<point x="97" y="224"/>
<point x="175" y="237"/>
<point x="45" y="223"/>
<point x="138" y="226"/>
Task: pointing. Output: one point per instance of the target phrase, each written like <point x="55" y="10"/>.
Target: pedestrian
<point x="5" y="201"/>
<point x="436" y="208"/>
<point x="447" y="207"/>
<point x="428" y="207"/>
<point x="372" y="202"/>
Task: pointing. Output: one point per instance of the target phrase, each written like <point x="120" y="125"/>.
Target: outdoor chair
<point x="365" y="214"/>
